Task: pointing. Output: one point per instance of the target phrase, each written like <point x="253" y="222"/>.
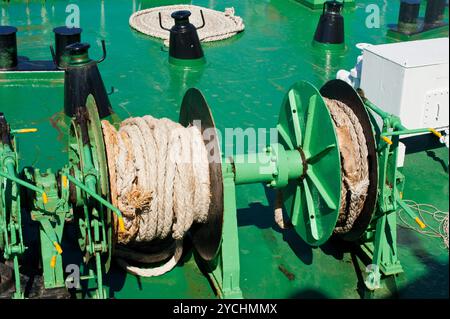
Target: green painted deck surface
<point x="244" y="82"/>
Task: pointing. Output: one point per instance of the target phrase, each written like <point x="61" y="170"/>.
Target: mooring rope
<point x="354" y="162"/>
<point x="427" y="212"/>
<point x="218" y="25"/>
<point x="159" y="176"/>
<point x="280" y="218"/>
<point x="153" y="271"/>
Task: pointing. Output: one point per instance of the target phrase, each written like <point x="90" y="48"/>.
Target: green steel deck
<point x="244" y="82"/>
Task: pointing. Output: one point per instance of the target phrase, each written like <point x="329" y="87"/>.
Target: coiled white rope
<point x="159" y="177"/>
<point x="218" y="25"/>
<point x="427" y="213"/>
<point x="355" y="164"/>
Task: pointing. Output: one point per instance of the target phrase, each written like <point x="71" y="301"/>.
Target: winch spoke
<point x="314" y="158"/>
<point x="321" y="189"/>
<point x="311" y="211"/>
<point x="297" y="205"/>
<point x="309" y="122"/>
<point x="294" y="102"/>
<point x="285" y="137"/>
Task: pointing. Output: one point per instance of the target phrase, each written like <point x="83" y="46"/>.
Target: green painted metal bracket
<point x="50" y="211"/>
<point x="383" y="249"/>
<point x="395" y="127"/>
<point x="11" y="224"/>
<point x="225" y="269"/>
<point x="97" y="239"/>
<point x="50" y="235"/>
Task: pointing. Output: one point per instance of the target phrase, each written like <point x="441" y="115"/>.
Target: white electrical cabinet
<point x="411" y="80"/>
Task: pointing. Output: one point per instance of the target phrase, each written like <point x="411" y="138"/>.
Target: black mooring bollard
<point x="65" y="36"/>
<point x="8" y="48"/>
<point x="330" y="29"/>
<point x="82" y="78"/>
<point x="408" y="15"/>
<point x="434" y="13"/>
<point x="185" y="47"/>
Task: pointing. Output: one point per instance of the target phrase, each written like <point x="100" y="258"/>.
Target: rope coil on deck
<point x="159" y="176"/>
<point x="432" y="215"/>
<point x="218" y="25"/>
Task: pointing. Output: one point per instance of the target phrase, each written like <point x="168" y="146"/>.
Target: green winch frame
<point x="305" y="166"/>
<point x="52" y="199"/>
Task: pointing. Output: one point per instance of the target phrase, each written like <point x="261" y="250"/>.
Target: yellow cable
<point x="57" y="247"/>
<point x="438" y="134"/>
<point x="387" y="140"/>
<point x="26" y="130"/>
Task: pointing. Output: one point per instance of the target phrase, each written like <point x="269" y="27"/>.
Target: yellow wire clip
<point x="64" y="181"/>
<point x="121" y="225"/>
<point x="387" y="140"/>
<point x="57" y="247"/>
<point x="44" y="198"/>
<point x="420" y="223"/>
<point x="53" y="261"/>
<point x="438" y="134"/>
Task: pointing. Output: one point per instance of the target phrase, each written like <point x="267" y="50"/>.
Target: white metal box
<point x="410" y="80"/>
